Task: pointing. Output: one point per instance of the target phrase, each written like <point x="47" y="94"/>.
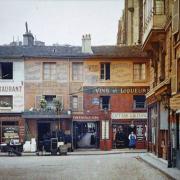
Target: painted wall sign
<point x="131" y="115"/>
<point x="10" y="88"/>
<point x="85" y="117"/>
<point x="115" y="90"/>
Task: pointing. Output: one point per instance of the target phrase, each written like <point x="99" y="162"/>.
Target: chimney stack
<point x="28" y="38"/>
<point x="86" y="44"/>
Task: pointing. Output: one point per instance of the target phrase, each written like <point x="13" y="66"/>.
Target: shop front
<point x="86" y="131"/>
<point x="123" y="124"/>
<point x="11" y="127"/>
<point x="48" y="125"/>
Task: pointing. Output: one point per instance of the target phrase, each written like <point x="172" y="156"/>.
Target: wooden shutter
<point x="80" y="103"/>
<point x="37" y="102"/>
<point x="60" y="98"/>
<point x="71" y="102"/>
<point x="175" y="17"/>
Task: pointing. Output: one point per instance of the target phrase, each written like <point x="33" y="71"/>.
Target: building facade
<point x="11" y="99"/>
<point x="131" y="23"/>
<point x="160" y="42"/>
<point x="101" y="92"/>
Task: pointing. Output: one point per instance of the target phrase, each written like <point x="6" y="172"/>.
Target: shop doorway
<point x="44" y="128"/>
<point x="86" y="134"/>
<point x="120" y="135"/>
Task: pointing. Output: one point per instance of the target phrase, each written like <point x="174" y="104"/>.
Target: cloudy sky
<point x="61" y="21"/>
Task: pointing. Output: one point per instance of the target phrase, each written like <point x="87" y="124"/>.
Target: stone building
<point x="11" y="97"/>
<point x="160" y="41"/>
<point x="130" y="24"/>
<point x="101" y="90"/>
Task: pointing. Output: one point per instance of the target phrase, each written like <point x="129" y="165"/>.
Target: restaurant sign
<point x="131" y="115"/>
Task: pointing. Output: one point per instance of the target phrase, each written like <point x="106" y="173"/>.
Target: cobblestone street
<point x="78" y="167"/>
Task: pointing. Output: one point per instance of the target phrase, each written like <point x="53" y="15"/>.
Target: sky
<point x="61" y="21"/>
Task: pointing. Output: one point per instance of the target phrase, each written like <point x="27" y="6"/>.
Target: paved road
<point x="99" y="167"/>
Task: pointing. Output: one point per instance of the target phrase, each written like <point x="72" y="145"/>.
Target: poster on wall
<point x="105" y="129"/>
<point x="139" y="132"/>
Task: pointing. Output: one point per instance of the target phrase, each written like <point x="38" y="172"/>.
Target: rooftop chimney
<point x="28" y="38"/>
<point x="86" y="44"/>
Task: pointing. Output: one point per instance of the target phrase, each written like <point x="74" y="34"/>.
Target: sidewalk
<point x="100" y="152"/>
<point x="161" y="165"/>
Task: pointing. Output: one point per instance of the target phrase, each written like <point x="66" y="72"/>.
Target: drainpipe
<point x="169" y="137"/>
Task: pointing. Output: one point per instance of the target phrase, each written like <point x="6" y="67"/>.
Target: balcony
<point x="153" y="28"/>
<point x="45" y="114"/>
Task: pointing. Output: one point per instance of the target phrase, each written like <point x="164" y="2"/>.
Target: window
<point x="6" y="101"/>
<point x="105" y="102"/>
<point x="49" y="100"/>
<point x="77" y="71"/>
<point x="6" y="70"/>
<point x="105" y="71"/>
<point x="49" y="71"/>
<point x="139" y="71"/>
<point x="159" y="7"/>
<point x="75" y="103"/>
<point x="139" y="102"/>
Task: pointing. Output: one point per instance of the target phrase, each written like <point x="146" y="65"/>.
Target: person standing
<point x="132" y="140"/>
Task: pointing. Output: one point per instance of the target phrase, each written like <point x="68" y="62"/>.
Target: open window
<point x="49" y="100"/>
<point x="139" y="102"/>
<point x="105" y="71"/>
<point x="6" y="70"/>
<point x="105" y="102"/>
<point x="6" y="102"/>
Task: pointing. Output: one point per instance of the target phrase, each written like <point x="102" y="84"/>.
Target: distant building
<point x="130" y="24"/>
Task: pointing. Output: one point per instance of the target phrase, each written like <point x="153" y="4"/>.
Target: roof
<point x="71" y="51"/>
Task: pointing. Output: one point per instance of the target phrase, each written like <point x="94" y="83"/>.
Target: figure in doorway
<point x="120" y="138"/>
<point x="132" y="140"/>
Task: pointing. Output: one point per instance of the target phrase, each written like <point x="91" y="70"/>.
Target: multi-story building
<point x="11" y="96"/>
<point x="160" y="41"/>
<point x="130" y="24"/>
<point x="101" y="91"/>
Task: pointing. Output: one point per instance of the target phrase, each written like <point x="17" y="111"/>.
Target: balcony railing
<point x="47" y="114"/>
<point x="154" y="21"/>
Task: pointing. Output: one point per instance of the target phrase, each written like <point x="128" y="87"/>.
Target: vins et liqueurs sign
<point x="115" y="90"/>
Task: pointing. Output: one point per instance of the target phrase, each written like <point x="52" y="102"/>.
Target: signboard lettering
<point x="131" y="115"/>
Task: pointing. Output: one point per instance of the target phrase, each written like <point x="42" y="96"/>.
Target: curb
<point x="155" y="167"/>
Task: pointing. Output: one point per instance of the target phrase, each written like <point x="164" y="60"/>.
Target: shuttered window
<point x="76" y="103"/>
<point x="77" y="71"/>
<point x="176" y="16"/>
<point x="49" y="71"/>
<point x="37" y="102"/>
<point x="139" y="71"/>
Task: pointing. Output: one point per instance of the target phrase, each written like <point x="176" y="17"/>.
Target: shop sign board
<point x="130" y="115"/>
<point x="85" y="117"/>
<point x="116" y="90"/>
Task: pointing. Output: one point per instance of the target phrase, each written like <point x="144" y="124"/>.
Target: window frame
<point x="101" y="102"/>
<point x="12" y="74"/>
<point x="50" y="63"/>
<point x="11" y="105"/>
<point x="104" y="70"/>
<point x="140" y="80"/>
<point x="77" y="72"/>
<point x="135" y="102"/>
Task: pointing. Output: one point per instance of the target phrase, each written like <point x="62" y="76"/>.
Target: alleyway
<point x="98" y="167"/>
